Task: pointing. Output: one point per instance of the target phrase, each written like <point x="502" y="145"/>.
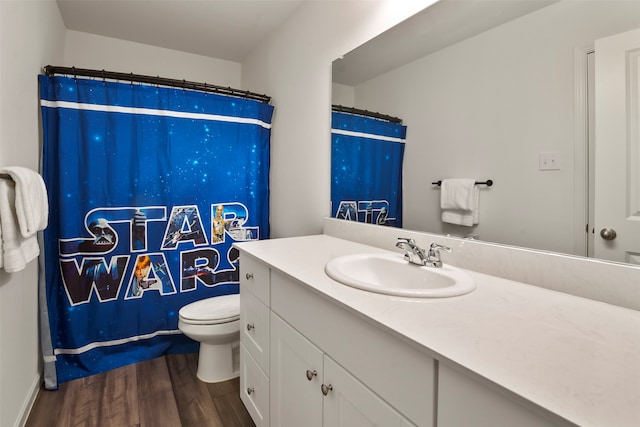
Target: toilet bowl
<point x="215" y="323"/>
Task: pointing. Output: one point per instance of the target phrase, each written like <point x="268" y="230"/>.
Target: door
<point x="617" y="165"/>
<point x="349" y="403"/>
<point x="296" y="372"/>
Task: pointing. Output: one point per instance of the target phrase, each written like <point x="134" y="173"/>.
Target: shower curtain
<point x="366" y="169"/>
<point x="148" y="188"/>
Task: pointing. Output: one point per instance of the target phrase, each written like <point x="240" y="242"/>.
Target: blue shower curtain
<point x="148" y="189"/>
<point x="366" y="169"/>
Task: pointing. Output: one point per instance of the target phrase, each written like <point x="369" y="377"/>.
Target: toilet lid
<point x="221" y="309"/>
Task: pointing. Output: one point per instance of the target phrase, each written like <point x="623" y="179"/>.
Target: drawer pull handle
<point x="311" y="374"/>
<point x="250" y="326"/>
<point x="326" y="389"/>
<point x="249" y="276"/>
<point x="250" y="390"/>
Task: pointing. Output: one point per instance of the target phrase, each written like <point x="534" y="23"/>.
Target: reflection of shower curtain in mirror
<point x="366" y="169"/>
<point x="148" y="187"/>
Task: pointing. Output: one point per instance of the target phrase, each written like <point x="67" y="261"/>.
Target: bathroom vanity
<point x="315" y="352"/>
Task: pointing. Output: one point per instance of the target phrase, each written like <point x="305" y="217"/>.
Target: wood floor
<point x="162" y="392"/>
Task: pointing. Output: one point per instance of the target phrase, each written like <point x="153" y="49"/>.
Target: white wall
<point x="343" y="95"/>
<point x="85" y="50"/>
<point x="294" y="67"/>
<point x="31" y="35"/>
<point x="468" y="114"/>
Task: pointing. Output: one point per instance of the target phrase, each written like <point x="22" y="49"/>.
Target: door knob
<point x="608" y="233"/>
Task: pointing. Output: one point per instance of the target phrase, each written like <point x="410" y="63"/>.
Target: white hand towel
<point x="31" y="203"/>
<point x="17" y="250"/>
<point x="459" y="200"/>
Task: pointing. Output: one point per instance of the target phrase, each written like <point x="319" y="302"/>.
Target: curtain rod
<point x="50" y="70"/>
<point x="367" y="113"/>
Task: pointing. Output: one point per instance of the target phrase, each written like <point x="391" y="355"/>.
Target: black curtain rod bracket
<point x="366" y="113"/>
<point x="488" y="183"/>
<point x="51" y="70"/>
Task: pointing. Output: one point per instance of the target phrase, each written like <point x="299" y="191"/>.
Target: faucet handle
<point x="407" y="240"/>
<point x="436" y="247"/>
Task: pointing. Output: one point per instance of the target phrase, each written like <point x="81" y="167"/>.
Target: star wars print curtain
<point x="366" y="169"/>
<point x="148" y="189"/>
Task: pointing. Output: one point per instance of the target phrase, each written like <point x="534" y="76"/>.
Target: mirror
<point x="493" y="89"/>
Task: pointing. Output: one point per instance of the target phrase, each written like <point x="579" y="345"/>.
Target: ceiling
<point x="436" y="27"/>
<point x="231" y="29"/>
<point x="223" y="29"/>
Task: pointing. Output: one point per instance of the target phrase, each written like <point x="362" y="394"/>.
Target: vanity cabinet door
<point x="349" y="403"/>
<point x="465" y="401"/>
<point x="295" y="379"/>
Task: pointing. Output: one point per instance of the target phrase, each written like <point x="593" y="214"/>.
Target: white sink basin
<point x="391" y="274"/>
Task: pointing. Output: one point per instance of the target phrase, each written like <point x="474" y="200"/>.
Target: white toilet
<point x="215" y="323"/>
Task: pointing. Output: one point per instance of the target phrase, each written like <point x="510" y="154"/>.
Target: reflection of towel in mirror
<point x="459" y="201"/>
<point x="24" y="210"/>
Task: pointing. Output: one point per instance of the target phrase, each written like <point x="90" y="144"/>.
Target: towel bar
<point x="488" y="183"/>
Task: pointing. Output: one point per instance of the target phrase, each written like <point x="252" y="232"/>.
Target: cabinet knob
<point x="249" y="276"/>
<point x="250" y="390"/>
<point x="326" y="389"/>
<point x="250" y="326"/>
<point x="311" y="374"/>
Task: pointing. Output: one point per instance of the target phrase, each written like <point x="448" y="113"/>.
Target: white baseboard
<point x="29" y="401"/>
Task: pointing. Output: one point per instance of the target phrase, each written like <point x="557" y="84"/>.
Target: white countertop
<point x="575" y="357"/>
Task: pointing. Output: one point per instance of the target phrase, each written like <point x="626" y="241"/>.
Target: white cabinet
<point x="310" y="389"/>
<point x="399" y="373"/>
<point x="349" y="403"/>
<point x="254" y="338"/>
<point x="296" y="373"/>
<point x="254" y="389"/>
<point x="294" y="341"/>
<point x="254" y="329"/>
<point x="465" y="401"/>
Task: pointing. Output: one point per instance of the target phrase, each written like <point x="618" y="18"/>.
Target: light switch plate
<point x="549" y="161"/>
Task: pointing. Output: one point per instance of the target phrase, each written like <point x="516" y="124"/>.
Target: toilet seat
<point x="212" y="311"/>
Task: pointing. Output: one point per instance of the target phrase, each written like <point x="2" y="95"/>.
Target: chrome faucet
<point x="416" y="255"/>
<point x="412" y="252"/>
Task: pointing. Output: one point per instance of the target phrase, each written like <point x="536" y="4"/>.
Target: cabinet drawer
<point x="254" y="328"/>
<point x="254" y="277"/>
<point x="254" y="389"/>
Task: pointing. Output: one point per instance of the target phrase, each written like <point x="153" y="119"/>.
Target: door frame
<point x="583" y="191"/>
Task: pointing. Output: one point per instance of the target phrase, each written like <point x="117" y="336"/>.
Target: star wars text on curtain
<point x="91" y="265"/>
